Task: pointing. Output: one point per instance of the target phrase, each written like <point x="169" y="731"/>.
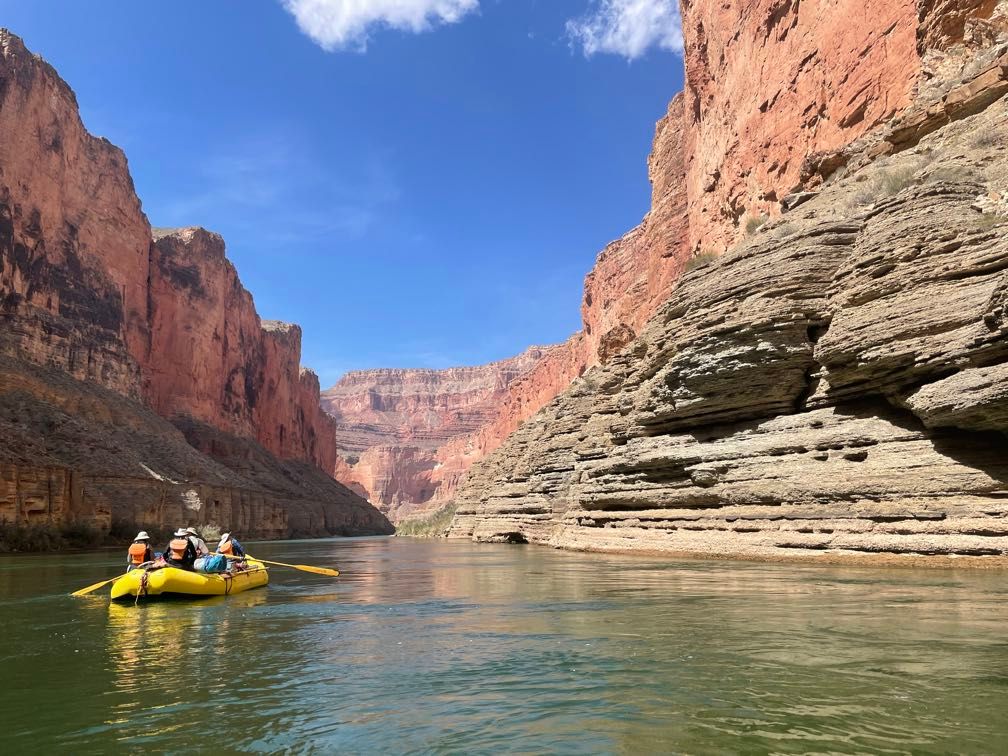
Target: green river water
<point x="434" y="646"/>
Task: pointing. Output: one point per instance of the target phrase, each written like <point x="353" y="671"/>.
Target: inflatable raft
<point x="171" y="581"/>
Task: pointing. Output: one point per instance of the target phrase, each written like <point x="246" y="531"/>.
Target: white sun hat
<point x="142" y="536"/>
<point x="181" y="533"/>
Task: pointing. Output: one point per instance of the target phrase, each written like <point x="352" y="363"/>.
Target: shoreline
<point x="890" y="560"/>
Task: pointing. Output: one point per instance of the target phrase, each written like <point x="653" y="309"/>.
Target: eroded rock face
<point x="834" y="383"/>
<point x="631" y="278"/>
<point x="391" y="425"/>
<point x="74" y="451"/>
<point x="73" y="240"/>
<point x="768" y="84"/>
<point x="214" y="360"/>
<point x="105" y="311"/>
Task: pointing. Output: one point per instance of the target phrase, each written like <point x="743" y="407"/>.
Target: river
<point x="440" y="646"/>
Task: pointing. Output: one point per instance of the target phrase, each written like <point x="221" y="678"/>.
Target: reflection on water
<point x="434" y="646"/>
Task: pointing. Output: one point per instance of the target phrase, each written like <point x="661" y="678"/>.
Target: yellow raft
<point x="175" y="582"/>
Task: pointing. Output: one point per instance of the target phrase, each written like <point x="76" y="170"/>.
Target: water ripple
<point x="429" y="647"/>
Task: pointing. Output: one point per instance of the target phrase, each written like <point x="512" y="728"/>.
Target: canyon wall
<point x="392" y="425"/>
<point x="767" y="84"/>
<point x="214" y="360"/>
<point x="100" y="324"/>
<point x="631" y="277"/>
<point x="835" y="382"/>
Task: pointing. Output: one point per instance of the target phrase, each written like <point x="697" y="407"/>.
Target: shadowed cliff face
<point x="836" y="381"/>
<point x="73" y="240"/>
<point x="105" y="311"/>
<point x="213" y="359"/>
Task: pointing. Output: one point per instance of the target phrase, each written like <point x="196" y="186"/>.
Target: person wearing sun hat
<point x="201" y="548"/>
<point x="180" y="552"/>
<point x="230" y="547"/>
<point x="140" y="551"/>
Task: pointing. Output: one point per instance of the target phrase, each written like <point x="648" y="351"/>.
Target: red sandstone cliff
<point x="768" y="83"/>
<point x="391" y="425"/>
<point x="87" y="292"/>
<point x="213" y="359"/>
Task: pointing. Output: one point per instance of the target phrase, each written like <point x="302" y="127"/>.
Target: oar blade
<point x="303" y="567"/>
<point x="95" y="587"/>
<point x="317" y="570"/>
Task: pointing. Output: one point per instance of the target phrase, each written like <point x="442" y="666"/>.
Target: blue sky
<point x="418" y="183"/>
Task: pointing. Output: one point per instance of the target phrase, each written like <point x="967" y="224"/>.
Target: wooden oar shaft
<point x="95" y="587"/>
<point x="302" y="567"/>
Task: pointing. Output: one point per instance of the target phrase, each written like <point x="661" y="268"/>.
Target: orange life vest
<point x="227" y="548"/>
<point x="138" y="553"/>
<point x="178" y="548"/>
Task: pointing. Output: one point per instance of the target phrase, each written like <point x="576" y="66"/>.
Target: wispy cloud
<point x="347" y="24"/>
<point x="628" y="28"/>
<point x="276" y="191"/>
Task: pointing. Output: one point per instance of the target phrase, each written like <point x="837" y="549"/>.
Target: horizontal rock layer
<point x="391" y="425"/>
<point x="767" y="84"/>
<point x="87" y="292"/>
<point x="71" y="450"/>
<point x="833" y="384"/>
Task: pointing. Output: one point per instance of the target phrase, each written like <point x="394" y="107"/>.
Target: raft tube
<point x="171" y="581"/>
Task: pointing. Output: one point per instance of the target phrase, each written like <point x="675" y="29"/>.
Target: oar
<point x="302" y="567"/>
<point x="95" y="587"/>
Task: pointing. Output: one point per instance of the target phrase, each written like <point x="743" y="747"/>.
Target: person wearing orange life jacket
<point x="140" y="551"/>
<point x="230" y="547"/>
<point x="180" y="552"/>
<point x="201" y="548"/>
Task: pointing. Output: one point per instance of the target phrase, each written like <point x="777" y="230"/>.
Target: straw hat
<point x="192" y="531"/>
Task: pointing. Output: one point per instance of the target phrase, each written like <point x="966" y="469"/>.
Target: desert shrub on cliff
<point x="886" y="183"/>
<point x="987" y="221"/>
<point x="756" y="222"/>
<point x="434" y="525"/>
<point x="985" y="139"/>
<point x="894" y="181"/>
<point x="699" y="261"/>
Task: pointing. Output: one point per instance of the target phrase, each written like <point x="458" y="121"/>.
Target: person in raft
<point x="202" y="549"/>
<point x="139" y="552"/>
<point x="180" y="552"/>
<point x="230" y="547"/>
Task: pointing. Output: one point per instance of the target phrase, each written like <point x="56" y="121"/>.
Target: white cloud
<point x="346" y="24"/>
<point x="628" y="28"/>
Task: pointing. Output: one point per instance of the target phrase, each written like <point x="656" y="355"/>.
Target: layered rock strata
<point x="631" y="277"/>
<point x="391" y="426"/>
<point x="767" y="84"/>
<point x="73" y="451"/>
<point x="835" y="383"/>
<point x="88" y="295"/>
